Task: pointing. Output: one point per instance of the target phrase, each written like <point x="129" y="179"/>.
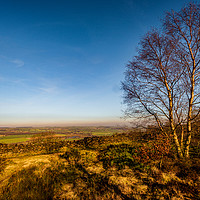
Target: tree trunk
<point x="171" y="121"/>
<point x="189" y="119"/>
<point x="182" y="138"/>
<point x="178" y="146"/>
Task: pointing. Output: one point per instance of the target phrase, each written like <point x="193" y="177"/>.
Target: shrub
<point x="139" y="156"/>
<point x="120" y="155"/>
<point x="47" y="142"/>
<point x="72" y="155"/>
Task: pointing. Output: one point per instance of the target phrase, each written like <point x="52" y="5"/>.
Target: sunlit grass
<point x="31" y="178"/>
<point x="72" y="139"/>
<point x="102" y="133"/>
<point x="9" y="139"/>
<point x="60" y="135"/>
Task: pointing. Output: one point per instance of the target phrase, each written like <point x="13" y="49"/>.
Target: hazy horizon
<point x="62" y="123"/>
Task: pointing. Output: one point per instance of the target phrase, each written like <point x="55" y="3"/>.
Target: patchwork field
<point x="18" y="135"/>
<point x="9" y="139"/>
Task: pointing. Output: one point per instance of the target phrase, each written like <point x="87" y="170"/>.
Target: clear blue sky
<point x="61" y="62"/>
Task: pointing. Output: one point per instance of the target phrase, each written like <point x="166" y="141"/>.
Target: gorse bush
<point x="48" y="141"/>
<point x="119" y="156"/>
<point x="72" y="155"/>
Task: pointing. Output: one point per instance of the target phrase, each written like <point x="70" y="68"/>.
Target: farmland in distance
<point x="25" y="134"/>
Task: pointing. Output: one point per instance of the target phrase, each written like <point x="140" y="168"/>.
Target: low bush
<point x="154" y="150"/>
<point x="137" y="156"/>
<point x="119" y="156"/>
<point x="72" y="155"/>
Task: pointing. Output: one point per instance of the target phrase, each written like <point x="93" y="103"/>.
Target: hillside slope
<point x="122" y="166"/>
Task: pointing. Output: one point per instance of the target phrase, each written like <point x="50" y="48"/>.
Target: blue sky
<point x="61" y="62"/>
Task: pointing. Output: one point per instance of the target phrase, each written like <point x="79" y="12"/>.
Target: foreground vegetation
<point x="129" y="165"/>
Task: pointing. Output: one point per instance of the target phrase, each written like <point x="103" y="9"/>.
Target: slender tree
<point x="162" y="80"/>
<point x="184" y="26"/>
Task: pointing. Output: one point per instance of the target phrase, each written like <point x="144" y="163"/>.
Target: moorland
<point x="95" y="163"/>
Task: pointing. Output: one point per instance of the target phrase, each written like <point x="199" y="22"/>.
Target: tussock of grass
<point x="33" y="181"/>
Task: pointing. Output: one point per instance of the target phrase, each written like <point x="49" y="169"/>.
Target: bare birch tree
<point x="162" y="81"/>
<point x="184" y="26"/>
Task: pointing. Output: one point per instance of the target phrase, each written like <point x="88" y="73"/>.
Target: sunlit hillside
<point x="128" y="165"/>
